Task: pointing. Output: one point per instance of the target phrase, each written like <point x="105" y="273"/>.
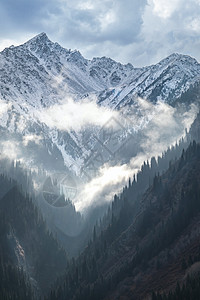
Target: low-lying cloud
<point x="166" y="126"/>
<point x="72" y="115"/>
<point x="31" y="138"/>
<point x="160" y="126"/>
<point x="4" y="107"/>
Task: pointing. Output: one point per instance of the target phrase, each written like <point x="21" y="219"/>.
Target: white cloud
<point x="166" y="126"/>
<point x="4" y="106"/>
<point x="10" y="149"/>
<point x="164" y="9"/>
<point x="31" y="138"/>
<point x="194" y="25"/>
<point x="72" y="115"/>
<point x="88" y="5"/>
<point x="140" y="31"/>
<point x="170" y="26"/>
<point x="102" y="188"/>
<point x="7" y="42"/>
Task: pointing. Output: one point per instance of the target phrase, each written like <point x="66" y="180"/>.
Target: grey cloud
<point x="114" y="21"/>
<point x="22" y="16"/>
<point x="162" y="36"/>
<point x="138" y="31"/>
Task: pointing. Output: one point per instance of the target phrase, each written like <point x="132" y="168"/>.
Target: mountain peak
<point x="42" y="35"/>
<point x="179" y="56"/>
<point x="41" y="38"/>
<point x="40" y="45"/>
<point x="179" y="60"/>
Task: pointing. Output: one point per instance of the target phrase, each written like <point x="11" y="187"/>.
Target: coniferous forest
<point x="146" y="241"/>
<point x="99" y="169"/>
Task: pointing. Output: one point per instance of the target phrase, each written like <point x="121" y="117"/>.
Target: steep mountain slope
<point x="155" y="251"/>
<point x="13" y="284"/>
<point x="25" y="242"/>
<point x="166" y="81"/>
<point x="40" y="73"/>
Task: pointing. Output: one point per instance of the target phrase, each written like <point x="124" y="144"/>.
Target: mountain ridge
<point x="45" y="50"/>
<point x="39" y="74"/>
<point x="155" y="251"/>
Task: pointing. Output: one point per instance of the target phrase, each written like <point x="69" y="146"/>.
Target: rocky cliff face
<point x="40" y="73"/>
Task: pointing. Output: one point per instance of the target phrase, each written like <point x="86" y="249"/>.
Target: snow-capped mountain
<point x="43" y="70"/>
<point x="166" y="81"/>
<point x="40" y="73"/>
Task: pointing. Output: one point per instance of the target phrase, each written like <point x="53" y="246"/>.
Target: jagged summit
<point x="180" y="58"/>
<point x="41" y="37"/>
<point x="40" y="44"/>
<point x="33" y="69"/>
<point x="40" y="73"/>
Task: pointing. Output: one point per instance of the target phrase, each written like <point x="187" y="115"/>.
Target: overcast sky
<point x="138" y="31"/>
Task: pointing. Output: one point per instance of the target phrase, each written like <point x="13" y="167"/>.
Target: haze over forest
<point x="99" y="150"/>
